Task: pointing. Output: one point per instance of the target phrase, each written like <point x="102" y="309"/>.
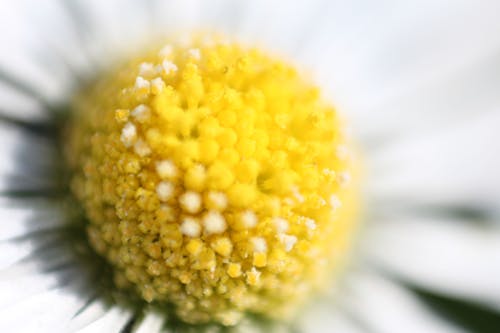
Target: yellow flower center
<point x="214" y="178"/>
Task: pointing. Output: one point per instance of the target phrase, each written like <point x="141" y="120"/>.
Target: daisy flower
<point x="191" y="166"/>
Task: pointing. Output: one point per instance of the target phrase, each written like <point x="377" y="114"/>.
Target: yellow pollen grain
<point x="234" y="270"/>
<point x="194" y="247"/>
<point x="166" y="169"/>
<point x="190" y="202"/>
<point x="214" y="177"/>
<point x="215" y="200"/>
<point x="121" y="115"/>
<point x="223" y="246"/>
<point x="253" y="277"/>
<point x="260" y="259"/>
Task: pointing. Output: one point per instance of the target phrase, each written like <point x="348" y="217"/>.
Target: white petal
<point x="18" y="287"/>
<point x="396" y="66"/>
<point x="458" y="165"/>
<point x="12" y="252"/>
<point x="178" y="16"/>
<point x="51" y="25"/>
<point x="387" y="307"/>
<point x="27" y="217"/>
<point x="446" y="255"/>
<point x="151" y="323"/>
<point x="455" y="94"/>
<point x="112" y="321"/>
<point x="282" y="27"/>
<point x="322" y="316"/>
<point x="48" y="311"/>
<point x="88" y="312"/>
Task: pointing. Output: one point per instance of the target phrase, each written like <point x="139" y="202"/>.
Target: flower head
<point x="212" y="180"/>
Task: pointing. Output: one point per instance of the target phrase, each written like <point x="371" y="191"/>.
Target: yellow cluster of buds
<point x="214" y="178"/>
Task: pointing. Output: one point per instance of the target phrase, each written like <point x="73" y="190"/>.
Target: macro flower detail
<point x="214" y="178"/>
